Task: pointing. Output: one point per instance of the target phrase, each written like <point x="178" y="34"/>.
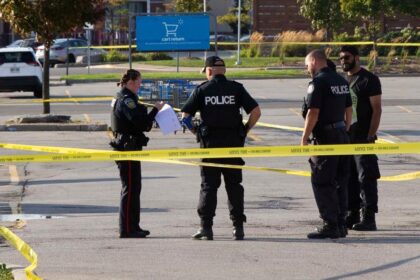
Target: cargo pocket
<point x="324" y="169"/>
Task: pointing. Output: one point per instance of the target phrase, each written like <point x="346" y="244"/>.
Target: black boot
<point x="343" y="231"/>
<point x="353" y="217"/>
<point x="144" y="231"/>
<point x="134" y="234"/>
<point x="326" y="231"/>
<point x="204" y="233"/>
<point x="238" y="233"/>
<point x="368" y="221"/>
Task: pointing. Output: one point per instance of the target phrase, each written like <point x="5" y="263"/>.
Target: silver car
<point x="59" y="52"/>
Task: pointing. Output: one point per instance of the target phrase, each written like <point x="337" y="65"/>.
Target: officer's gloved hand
<point x="187" y="122"/>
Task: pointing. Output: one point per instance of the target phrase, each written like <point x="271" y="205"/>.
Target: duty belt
<point x="334" y="125"/>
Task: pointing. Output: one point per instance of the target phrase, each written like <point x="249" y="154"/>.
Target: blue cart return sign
<point x="173" y="33"/>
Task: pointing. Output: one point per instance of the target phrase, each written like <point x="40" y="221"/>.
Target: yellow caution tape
<point x="64" y="150"/>
<point x="392" y="178"/>
<point x="258" y="151"/>
<point x="284" y="43"/>
<point x="24" y="249"/>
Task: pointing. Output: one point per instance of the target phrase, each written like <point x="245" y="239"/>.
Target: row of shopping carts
<point x="174" y="92"/>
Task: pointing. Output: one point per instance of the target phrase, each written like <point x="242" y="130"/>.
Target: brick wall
<point x="274" y="16"/>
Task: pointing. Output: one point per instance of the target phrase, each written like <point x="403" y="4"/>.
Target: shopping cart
<point x="170" y="29"/>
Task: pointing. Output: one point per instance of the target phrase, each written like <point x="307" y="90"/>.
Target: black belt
<point x="334" y="125"/>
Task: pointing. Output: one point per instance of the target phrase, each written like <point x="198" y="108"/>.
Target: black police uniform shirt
<point x="219" y="101"/>
<point x="129" y="116"/>
<point x="329" y="92"/>
<point x="363" y="85"/>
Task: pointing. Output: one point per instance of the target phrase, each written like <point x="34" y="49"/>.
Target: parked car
<point x="59" y="53"/>
<point x="245" y="38"/>
<point x="15" y="44"/>
<point x="20" y="71"/>
<point x="223" y="38"/>
<point x="30" y="43"/>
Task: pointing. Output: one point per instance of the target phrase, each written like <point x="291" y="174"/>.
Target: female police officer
<point x="129" y="120"/>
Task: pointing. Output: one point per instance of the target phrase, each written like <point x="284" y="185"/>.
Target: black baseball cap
<point x="213" y="61"/>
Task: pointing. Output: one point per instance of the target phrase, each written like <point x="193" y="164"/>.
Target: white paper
<point x="167" y="120"/>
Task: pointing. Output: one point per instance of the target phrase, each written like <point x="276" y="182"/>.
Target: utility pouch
<point x="203" y="135"/>
<point x="124" y="142"/>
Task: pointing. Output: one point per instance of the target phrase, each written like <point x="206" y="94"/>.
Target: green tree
<point x="49" y="19"/>
<point x="116" y="19"/>
<point x="231" y="18"/>
<point x="369" y="11"/>
<point x="189" y="6"/>
<point x="323" y="14"/>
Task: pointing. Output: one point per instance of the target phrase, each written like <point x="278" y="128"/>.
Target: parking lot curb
<point x="54" y="127"/>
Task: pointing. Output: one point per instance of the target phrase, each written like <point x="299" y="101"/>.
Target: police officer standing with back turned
<point x="129" y="120"/>
<point x="329" y="108"/>
<point x="219" y="101"/>
<point x="366" y="92"/>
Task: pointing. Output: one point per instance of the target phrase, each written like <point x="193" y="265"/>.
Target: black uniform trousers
<point x="130" y="174"/>
<point x="211" y="178"/>
<point x="210" y="182"/>
<point x="329" y="178"/>
<point x="364" y="175"/>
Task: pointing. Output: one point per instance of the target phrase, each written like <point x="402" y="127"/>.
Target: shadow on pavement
<point x="375" y="269"/>
<point x="62" y="209"/>
<point x="87" y="180"/>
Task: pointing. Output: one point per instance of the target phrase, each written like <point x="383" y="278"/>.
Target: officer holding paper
<point x="219" y="102"/>
<point x="129" y="121"/>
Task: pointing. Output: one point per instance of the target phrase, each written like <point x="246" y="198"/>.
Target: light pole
<point x="238" y="60"/>
<point x="205" y="10"/>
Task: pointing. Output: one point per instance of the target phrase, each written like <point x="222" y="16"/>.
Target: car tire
<point x="38" y="92"/>
<point x="71" y="58"/>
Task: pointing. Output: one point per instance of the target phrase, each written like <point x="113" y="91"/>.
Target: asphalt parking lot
<point x="79" y="240"/>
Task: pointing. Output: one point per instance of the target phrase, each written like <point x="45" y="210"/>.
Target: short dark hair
<point x="331" y="65"/>
<point x="350" y="49"/>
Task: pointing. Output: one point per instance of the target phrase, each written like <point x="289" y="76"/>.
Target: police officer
<point x="129" y="120"/>
<point x="220" y="101"/>
<point x="329" y="112"/>
<point x="365" y="90"/>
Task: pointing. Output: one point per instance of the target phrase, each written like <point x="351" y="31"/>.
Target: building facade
<point x="274" y="16"/>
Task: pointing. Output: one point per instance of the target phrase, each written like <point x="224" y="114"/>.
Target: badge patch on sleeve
<point x="310" y="88"/>
<point x="130" y="103"/>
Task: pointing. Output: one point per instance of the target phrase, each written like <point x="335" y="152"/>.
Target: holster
<point x="127" y="142"/>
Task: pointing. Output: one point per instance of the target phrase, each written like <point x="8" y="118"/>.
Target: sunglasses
<point x="344" y="57"/>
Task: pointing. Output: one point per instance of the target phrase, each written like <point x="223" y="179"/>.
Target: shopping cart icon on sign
<point x="170" y="29"/>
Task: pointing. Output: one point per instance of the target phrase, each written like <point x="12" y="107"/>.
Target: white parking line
<point x="405" y="109"/>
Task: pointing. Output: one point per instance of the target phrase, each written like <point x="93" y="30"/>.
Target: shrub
<point x="254" y="49"/>
<point x="282" y="49"/>
<point x="5" y="273"/>
<point x="158" y="56"/>
<point x="137" y="57"/>
<point x="114" y="56"/>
